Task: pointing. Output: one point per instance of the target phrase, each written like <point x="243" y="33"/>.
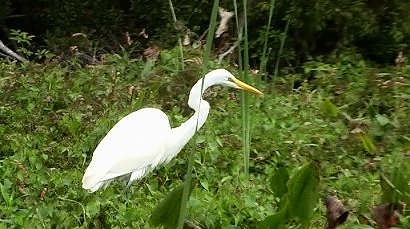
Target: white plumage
<point x="144" y="139"/>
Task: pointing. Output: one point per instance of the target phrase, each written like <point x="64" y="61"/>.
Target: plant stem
<point x="265" y="57"/>
<point x="181" y="51"/>
<point x="188" y="178"/>
<point x="245" y="96"/>
<point x="282" y="44"/>
<point x="239" y="30"/>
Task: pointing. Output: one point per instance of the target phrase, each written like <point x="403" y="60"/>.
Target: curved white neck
<point x="183" y="133"/>
<point x="199" y="105"/>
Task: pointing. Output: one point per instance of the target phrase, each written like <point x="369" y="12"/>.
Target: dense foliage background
<point x="375" y="29"/>
<point x="333" y="124"/>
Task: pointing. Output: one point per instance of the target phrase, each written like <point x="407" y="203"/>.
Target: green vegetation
<point x="52" y="116"/>
<point x="334" y="119"/>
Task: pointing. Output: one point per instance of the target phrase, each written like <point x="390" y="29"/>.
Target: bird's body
<point x="144" y="139"/>
<point x="145" y="126"/>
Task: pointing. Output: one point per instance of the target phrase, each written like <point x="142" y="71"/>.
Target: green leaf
<point x="395" y="187"/>
<point x="367" y="143"/>
<point x="329" y="109"/>
<point x="303" y="192"/>
<point x="278" y="182"/>
<point x="166" y="213"/>
<point x="382" y="120"/>
<point x="8" y="199"/>
<point x="388" y="190"/>
<point x="204" y="184"/>
<point x="276" y="221"/>
<point x="394" y="180"/>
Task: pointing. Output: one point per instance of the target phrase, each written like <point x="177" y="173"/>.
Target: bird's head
<point x="216" y="77"/>
<point x="225" y="78"/>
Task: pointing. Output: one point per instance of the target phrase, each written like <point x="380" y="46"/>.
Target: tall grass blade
<point x="239" y="28"/>
<point x="181" y="51"/>
<point x="265" y="57"/>
<point x="245" y="96"/>
<point x="282" y="44"/>
<point x="188" y="178"/>
<point x="244" y="67"/>
<point x="210" y="37"/>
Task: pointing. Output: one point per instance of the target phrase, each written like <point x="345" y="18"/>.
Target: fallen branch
<point x="223" y="24"/>
<point x="229" y="51"/>
<point x="3" y="55"/>
<point x="203" y="35"/>
<point x="10" y="53"/>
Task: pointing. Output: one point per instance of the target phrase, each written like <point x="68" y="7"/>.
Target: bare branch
<point x="10" y="52"/>
<point x="203" y="35"/>
<point x="229" y="51"/>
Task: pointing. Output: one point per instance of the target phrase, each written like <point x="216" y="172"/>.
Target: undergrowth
<point x="349" y="117"/>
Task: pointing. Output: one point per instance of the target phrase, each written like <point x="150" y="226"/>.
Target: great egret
<point x="144" y="139"/>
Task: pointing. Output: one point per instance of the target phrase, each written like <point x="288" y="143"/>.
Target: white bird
<point x="144" y="139"/>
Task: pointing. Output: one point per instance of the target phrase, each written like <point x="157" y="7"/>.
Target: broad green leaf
<point x="367" y="143"/>
<point x="8" y="199"/>
<point x="148" y="66"/>
<point x="382" y="120"/>
<point x="329" y="108"/>
<point x="388" y="193"/>
<point x="278" y="182"/>
<point x="284" y="204"/>
<point x="395" y="187"/>
<point x="303" y="192"/>
<point x="276" y="221"/>
<point x="166" y="213"/>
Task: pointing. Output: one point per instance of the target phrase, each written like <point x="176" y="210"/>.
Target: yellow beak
<point x="246" y="87"/>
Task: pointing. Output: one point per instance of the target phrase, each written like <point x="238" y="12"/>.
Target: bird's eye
<point x="230" y="79"/>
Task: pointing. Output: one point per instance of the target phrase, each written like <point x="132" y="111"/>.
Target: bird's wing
<point x="136" y="142"/>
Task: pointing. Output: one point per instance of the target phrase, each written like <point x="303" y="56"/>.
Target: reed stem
<point x="188" y="178"/>
<point x="181" y="50"/>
